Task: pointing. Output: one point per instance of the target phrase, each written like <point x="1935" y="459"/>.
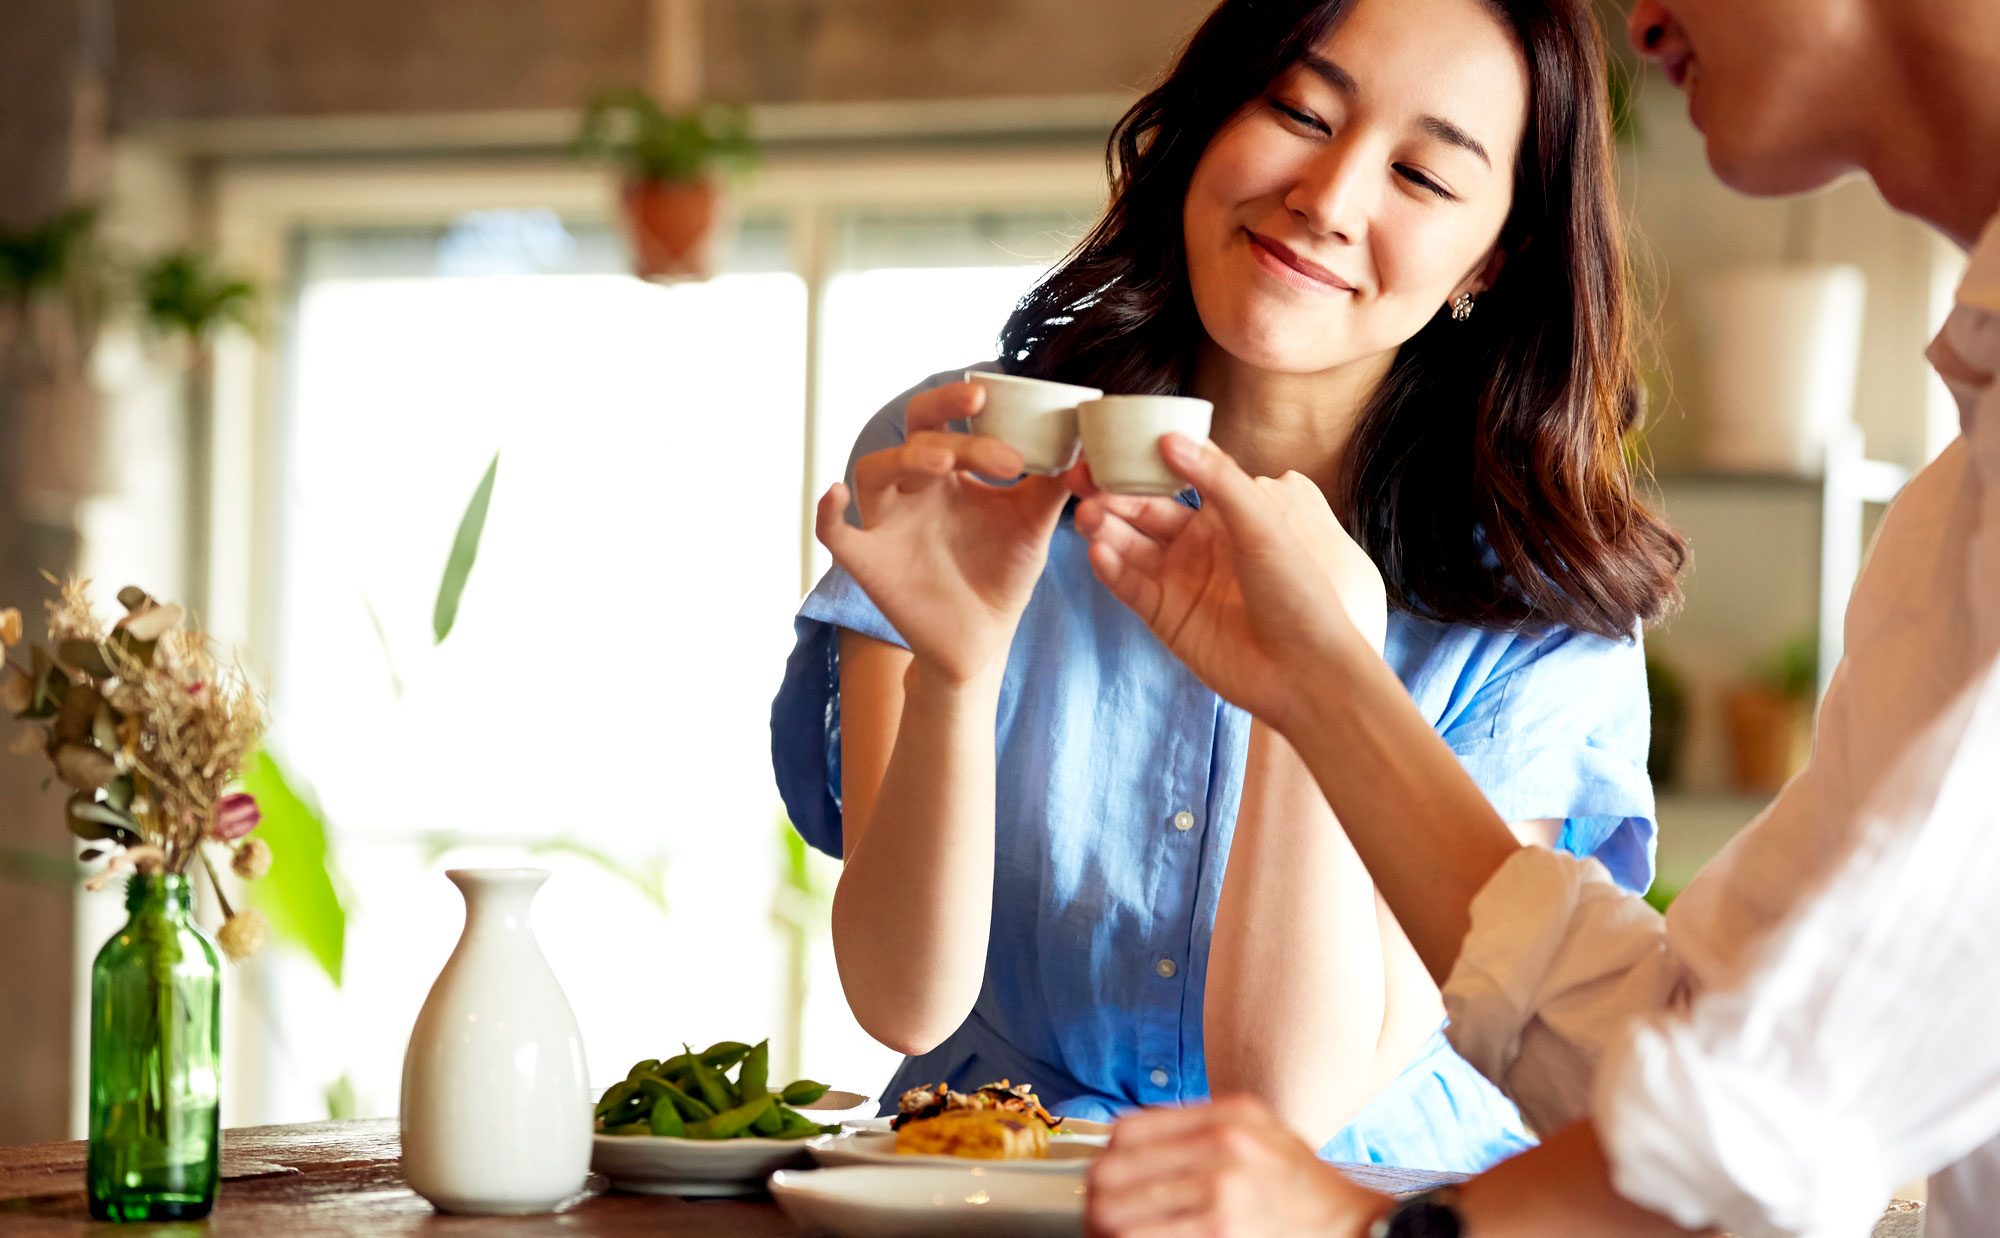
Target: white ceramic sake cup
<point x="1035" y="417"/>
<point x="1121" y="439"/>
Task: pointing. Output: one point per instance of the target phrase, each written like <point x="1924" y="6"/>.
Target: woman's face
<point x="1333" y="217"/>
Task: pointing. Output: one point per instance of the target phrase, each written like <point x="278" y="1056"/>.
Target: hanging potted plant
<point x="55" y="291"/>
<point x="669" y="163"/>
<point x="186" y="296"/>
<point x="52" y="291"/>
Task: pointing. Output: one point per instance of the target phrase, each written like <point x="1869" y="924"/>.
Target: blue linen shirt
<point x="1119" y="777"/>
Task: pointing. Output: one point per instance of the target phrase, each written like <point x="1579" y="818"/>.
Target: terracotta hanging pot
<point x="672" y="227"/>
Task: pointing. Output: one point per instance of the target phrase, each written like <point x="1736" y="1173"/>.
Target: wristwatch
<point x="1433" y="1214"/>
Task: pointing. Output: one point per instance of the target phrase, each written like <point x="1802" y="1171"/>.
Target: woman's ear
<point x="1487" y="273"/>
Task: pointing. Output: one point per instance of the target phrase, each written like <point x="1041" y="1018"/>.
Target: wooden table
<point x="347" y="1178"/>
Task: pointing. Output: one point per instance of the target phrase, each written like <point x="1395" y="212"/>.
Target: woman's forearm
<point x="914" y="904"/>
<point x="1295" y="1002"/>
<point x="1425" y="831"/>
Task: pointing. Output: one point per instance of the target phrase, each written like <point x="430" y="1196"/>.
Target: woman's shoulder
<point x="1462" y="671"/>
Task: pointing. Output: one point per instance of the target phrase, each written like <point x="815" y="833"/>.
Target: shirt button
<point x="1166" y="969"/>
<point x="1159" y="1078"/>
<point x="1183" y="820"/>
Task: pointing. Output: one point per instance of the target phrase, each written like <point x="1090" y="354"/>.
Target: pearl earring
<point x="1461" y="307"/>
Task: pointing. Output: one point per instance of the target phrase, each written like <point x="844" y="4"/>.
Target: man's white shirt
<point x="1818" y="1017"/>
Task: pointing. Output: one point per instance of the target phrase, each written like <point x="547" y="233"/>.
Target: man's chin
<point x="1766" y="173"/>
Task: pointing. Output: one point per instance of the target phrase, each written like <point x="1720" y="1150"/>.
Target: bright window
<point x="601" y="707"/>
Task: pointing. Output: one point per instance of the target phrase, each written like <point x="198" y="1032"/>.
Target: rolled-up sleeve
<point x="1862" y="1049"/>
<point x="1557" y="964"/>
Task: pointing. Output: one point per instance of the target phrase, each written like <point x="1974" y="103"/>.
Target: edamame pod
<point x="679" y="1068"/>
<point x="667" y="1121"/>
<point x="724" y="1054"/>
<point x="646" y="1067"/>
<point x="755" y="1079"/>
<point x="803" y="1092"/>
<point x="710" y="1086"/>
<point x="734" y="1122"/>
<point x="795" y="1125"/>
<point x="689" y="1108"/>
<point x="623" y="1103"/>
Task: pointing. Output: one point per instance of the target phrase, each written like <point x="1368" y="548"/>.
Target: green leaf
<point x="341" y="1102"/>
<point x="298" y="895"/>
<point x="464" y="549"/>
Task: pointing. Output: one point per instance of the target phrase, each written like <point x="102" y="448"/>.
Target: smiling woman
<point x="1066" y="861"/>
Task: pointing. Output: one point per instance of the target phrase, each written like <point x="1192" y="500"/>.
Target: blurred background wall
<point x="441" y="282"/>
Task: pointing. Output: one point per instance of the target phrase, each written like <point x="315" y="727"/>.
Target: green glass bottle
<point x="155" y="1061"/>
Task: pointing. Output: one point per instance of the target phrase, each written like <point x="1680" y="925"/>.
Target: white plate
<point x="1069" y="1155"/>
<point x="655" y="1165"/>
<point x="870" y="1201"/>
<point x="1072" y="1128"/>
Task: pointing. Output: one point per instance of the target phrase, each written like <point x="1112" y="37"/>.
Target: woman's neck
<point x="1275" y="423"/>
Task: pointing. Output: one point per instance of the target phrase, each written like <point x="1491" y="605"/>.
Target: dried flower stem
<point x="215" y="883"/>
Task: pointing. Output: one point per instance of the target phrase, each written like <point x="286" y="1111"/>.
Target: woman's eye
<point x="1421" y="181"/>
<point x="1304" y="119"/>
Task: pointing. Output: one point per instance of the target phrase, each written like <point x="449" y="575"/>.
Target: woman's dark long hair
<point x="1487" y="476"/>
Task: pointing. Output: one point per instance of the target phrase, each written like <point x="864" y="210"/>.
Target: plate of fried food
<point x="682" y="1126"/>
<point x="1002" y="1126"/>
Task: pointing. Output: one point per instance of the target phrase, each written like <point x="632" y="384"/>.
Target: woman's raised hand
<point x="949" y="558"/>
<point x="1248" y="591"/>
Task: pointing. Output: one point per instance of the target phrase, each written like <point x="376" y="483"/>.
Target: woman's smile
<point x="1292" y="268"/>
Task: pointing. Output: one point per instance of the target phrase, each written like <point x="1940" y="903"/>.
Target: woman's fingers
<point x="840" y="538"/>
<point x="974" y="453"/>
<point x="1162" y="519"/>
<point x="1138" y="590"/>
<point x="930" y="456"/>
<point x="940" y="406"/>
<point x="1134" y="548"/>
<point x="1248" y="511"/>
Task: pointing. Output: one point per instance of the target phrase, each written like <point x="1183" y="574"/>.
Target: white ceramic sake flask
<point x="496" y="1101"/>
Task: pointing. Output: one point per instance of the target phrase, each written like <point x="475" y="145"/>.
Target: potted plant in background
<point x="149" y="730"/>
<point x="670" y="164"/>
<point x="186" y="296"/>
<point x="1770" y="718"/>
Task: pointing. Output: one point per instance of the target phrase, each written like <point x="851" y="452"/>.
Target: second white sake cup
<point x="1121" y="439"/>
